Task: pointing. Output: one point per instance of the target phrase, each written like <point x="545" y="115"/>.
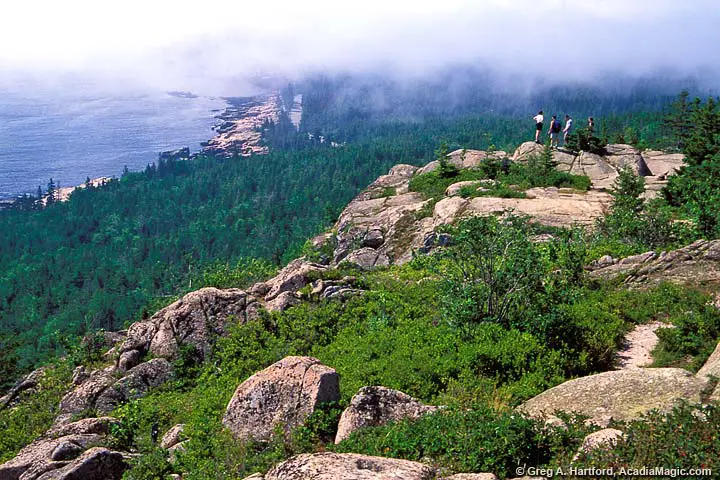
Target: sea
<point x="69" y="135"/>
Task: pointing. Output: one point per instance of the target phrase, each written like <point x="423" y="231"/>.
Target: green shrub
<point x="637" y="225"/>
<point x="151" y="465"/>
<point x="241" y="275"/>
<point x="493" y="271"/>
<point x="467" y="440"/>
<point x="445" y="169"/>
<point x="35" y="411"/>
<point x="685" y="438"/>
<point x="433" y="185"/>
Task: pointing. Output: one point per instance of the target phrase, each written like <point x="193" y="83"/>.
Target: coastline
<point x="237" y="132"/>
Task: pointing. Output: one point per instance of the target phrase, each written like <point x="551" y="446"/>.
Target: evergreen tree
<point x="51" y="194"/>
<point x="696" y="189"/>
<point x="677" y="121"/>
<point x="446" y="169"/>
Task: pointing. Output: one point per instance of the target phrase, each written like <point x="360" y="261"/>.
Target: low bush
<point x="468" y="440"/>
<point x="687" y="438"/>
<point x="35" y="411"/>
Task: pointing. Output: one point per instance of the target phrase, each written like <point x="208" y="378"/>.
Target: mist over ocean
<point x="70" y="135"/>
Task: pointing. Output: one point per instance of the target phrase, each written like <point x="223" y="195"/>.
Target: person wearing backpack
<point x="555" y="128"/>
<point x="538" y="125"/>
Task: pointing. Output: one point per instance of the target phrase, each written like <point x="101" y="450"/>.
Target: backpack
<point x="555" y="127"/>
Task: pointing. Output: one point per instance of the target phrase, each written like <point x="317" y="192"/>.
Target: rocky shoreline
<point x="239" y="130"/>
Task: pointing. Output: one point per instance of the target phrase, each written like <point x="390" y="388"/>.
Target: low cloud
<point x="217" y="48"/>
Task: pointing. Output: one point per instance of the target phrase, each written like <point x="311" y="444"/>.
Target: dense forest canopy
<point x="112" y="254"/>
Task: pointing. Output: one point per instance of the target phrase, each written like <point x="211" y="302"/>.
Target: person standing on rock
<point x="567" y="129"/>
<point x="538" y="125"/>
<point x="554" y="131"/>
<point x="591" y="126"/>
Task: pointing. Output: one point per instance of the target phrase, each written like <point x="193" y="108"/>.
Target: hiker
<point x="538" y="125"/>
<point x="567" y="129"/>
<point x="554" y="130"/>
<point x="591" y="126"/>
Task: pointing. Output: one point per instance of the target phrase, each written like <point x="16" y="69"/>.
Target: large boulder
<point x="467" y="158"/>
<point x="348" y="466"/>
<point x="456" y="188"/>
<point x="394" y="216"/>
<point x="84" y="395"/>
<point x="136" y="382"/>
<point x="601" y="173"/>
<point x="194" y="320"/>
<point x="549" y="206"/>
<point x="623" y="156"/>
<point x="663" y="164"/>
<point x="104" y="391"/>
<point x="375" y="405"/>
<point x="284" y="394"/>
<point x="618" y="395"/>
<point x="527" y="150"/>
<point x="95" y="464"/>
<point x="56" y="449"/>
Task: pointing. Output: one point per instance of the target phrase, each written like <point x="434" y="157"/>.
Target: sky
<point x="214" y="46"/>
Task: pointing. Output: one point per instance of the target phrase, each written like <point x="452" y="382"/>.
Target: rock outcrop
<point x="136" y="382"/>
<point x="397" y="221"/>
<point x="103" y="391"/>
<point x="605" y="438"/>
<point x="86" y="393"/>
<point x="348" y="466"/>
<point x="28" y="382"/>
<point x="284" y="394"/>
<point x="95" y="464"/>
<point x="620" y="395"/>
<point x="699" y="262"/>
<point x="62" y="449"/>
<point x="373" y="406"/>
<point x="194" y="320"/>
<point x="604" y="169"/>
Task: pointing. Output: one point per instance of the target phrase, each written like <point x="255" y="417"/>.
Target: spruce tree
<point x="51" y="194"/>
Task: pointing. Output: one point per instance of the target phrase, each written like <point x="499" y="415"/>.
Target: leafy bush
<point x="433" y="185"/>
<point x="468" y="440"/>
<point x="494" y="271"/>
<point x="241" y="275"/>
<point x="35" y="412"/>
<point x="636" y="225"/>
<point x="694" y="338"/>
<point x="583" y="139"/>
<point x="685" y="438"/>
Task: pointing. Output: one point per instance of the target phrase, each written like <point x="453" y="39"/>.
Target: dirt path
<point x="638" y="345"/>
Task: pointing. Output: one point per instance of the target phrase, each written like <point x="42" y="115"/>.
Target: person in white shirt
<point x="567" y="129"/>
<point x="538" y="125"/>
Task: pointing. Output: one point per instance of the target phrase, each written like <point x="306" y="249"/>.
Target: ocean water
<point x="69" y="136"/>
